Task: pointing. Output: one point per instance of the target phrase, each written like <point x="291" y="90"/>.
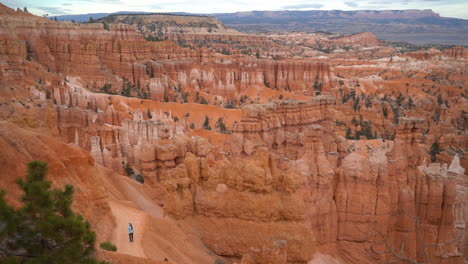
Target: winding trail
<point x="156" y="235"/>
<point x="123" y="215"/>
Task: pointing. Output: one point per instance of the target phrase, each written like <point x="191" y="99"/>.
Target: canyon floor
<point x="226" y="147"/>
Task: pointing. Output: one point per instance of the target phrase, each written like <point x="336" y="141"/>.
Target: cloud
<point x="52" y="10"/>
<point x="380" y="3"/>
<point x="101" y="1"/>
<point x="351" y="4"/>
<point x="301" y="6"/>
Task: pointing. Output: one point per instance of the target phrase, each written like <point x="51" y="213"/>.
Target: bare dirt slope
<point x="125" y="214"/>
<point x="110" y="201"/>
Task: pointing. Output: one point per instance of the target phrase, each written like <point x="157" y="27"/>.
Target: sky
<point x="446" y="8"/>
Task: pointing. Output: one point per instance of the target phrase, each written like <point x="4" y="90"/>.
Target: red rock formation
<point x="425" y="54"/>
<point x="280" y="173"/>
<point x="457" y="52"/>
<point x="366" y="39"/>
<point x="173" y="27"/>
<point x="121" y="54"/>
<point x="191" y="30"/>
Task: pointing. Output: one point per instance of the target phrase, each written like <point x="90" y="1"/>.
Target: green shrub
<point x="203" y="101"/>
<point x="108" y="246"/>
<point x="107" y="88"/>
<point x="139" y="178"/>
<point x="129" y="170"/>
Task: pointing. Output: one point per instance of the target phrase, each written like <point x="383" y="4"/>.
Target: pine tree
<point x="410" y="103"/>
<point x="349" y="134"/>
<point x="435" y="150"/>
<point x="400" y="99"/>
<point x="221" y="125"/>
<point x="45" y="229"/>
<point x="439" y="99"/>
<point x="385" y="111"/>
<point x="206" y="124"/>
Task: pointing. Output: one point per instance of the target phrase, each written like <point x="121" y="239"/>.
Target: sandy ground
<point x="324" y="259"/>
<point x="123" y="215"/>
<point x="156" y="236"/>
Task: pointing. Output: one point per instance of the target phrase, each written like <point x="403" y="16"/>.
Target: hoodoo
<point x="222" y="146"/>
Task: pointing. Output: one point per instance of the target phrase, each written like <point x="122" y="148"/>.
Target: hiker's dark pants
<point x="130" y="236"/>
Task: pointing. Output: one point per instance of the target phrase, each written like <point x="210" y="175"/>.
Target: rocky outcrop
<point x="282" y="126"/>
<point x="276" y="255"/>
<point x="457" y="52"/>
<point x="230" y="78"/>
<point x="366" y="39"/>
<point x="190" y="30"/>
<point x="425" y="54"/>
<point x="119" y="60"/>
<point x="279" y="185"/>
<point x="173" y="27"/>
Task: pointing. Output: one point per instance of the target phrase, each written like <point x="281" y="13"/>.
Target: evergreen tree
<point x="203" y="101"/>
<point x="45" y="229"/>
<point x="435" y="149"/>
<point x="385" y="111"/>
<point x="368" y="102"/>
<point x="366" y="130"/>
<point x="400" y="99"/>
<point x="439" y="99"/>
<point x="318" y="86"/>
<point x="206" y="124"/>
<point x="221" y="125"/>
<point x="356" y="105"/>
<point x="349" y="134"/>
<point x="410" y="103"/>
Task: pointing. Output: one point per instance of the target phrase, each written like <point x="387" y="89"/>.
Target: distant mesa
<point x="413" y="26"/>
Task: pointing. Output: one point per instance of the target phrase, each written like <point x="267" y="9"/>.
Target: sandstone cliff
<point x="280" y="184"/>
<point x="123" y="61"/>
<point x="366" y="39"/>
<point x="173" y="27"/>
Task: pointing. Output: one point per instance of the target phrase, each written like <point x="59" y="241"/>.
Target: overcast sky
<point x="446" y="8"/>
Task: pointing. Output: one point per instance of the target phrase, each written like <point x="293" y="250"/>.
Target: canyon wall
<point x="121" y="58"/>
<point x="279" y="184"/>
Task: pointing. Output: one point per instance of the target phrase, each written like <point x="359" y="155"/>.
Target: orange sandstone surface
<point x="318" y="153"/>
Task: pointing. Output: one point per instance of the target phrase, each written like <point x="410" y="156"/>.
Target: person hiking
<point x="130" y="232"/>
